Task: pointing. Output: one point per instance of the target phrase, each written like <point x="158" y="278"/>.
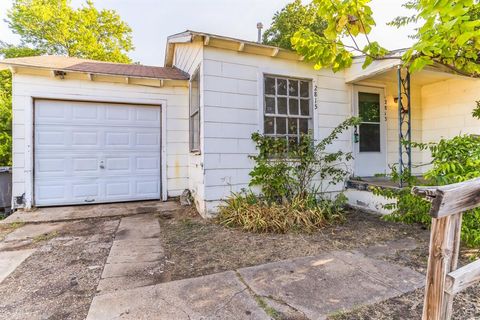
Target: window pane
<point x="194" y="93"/>
<point x="305" y="107"/>
<point x="270" y="86"/>
<point x="282" y="105"/>
<point x="369" y="137"/>
<point x="304" y="89"/>
<point x="281" y="125"/>
<point x="282" y="87"/>
<point x="303" y="126"/>
<point x="269" y="125"/>
<point x="293" y="87"/>
<point x="269" y="105"/>
<point x="292" y="126"/>
<point x="195" y="133"/>
<point x="293" y="106"/>
<point x="369" y="106"/>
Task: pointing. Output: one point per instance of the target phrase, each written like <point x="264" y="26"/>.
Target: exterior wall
<point x="447" y="110"/>
<point x="391" y="90"/>
<point x="233" y="110"/>
<point x="188" y="57"/>
<point x="174" y="101"/>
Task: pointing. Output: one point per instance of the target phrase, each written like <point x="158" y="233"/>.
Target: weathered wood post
<point x="443" y="279"/>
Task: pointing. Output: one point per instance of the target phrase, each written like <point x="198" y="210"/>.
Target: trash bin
<point x="5" y="189"/>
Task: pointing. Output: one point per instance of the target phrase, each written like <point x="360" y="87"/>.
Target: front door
<point x="370" y="136"/>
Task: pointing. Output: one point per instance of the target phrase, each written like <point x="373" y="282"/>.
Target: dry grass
<point x="249" y="213"/>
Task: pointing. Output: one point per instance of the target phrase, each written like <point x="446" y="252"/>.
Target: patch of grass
<point x="251" y="213"/>
<point x="45" y="237"/>
<point x="15" y="225"/>
<point x="274" y="314"/>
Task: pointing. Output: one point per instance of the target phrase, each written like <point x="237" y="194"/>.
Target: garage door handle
<point x="102" y="166"/>
<point x="89" y="200"/>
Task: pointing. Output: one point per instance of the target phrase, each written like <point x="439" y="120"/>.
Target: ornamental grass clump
<point x="249" y="212"/>
<point x="294" y="179"/>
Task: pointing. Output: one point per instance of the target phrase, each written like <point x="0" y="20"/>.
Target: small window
<point x="195" y="112"/>
<point x="287" y="108"/>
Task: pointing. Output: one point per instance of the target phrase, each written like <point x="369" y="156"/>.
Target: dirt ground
<point x="198" y="247"/>
<point x="59" y="279"/>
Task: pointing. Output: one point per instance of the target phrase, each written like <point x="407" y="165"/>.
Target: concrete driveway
<point x="110" y="266"/>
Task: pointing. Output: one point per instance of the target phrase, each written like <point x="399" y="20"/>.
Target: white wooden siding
<point x="188" y="57"/>
<point x="447" y="110"/>
<point x="233" y="105"/>
<point x="174" y="101"/>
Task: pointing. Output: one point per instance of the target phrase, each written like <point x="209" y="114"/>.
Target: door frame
<point x="381" y="90"/>
<point x="163" y="144"/>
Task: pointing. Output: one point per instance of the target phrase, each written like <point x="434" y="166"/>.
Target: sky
<point x="153" y="21"/>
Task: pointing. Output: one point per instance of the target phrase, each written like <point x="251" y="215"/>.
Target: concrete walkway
<point x="136" y="258"/>
<point x="68" y="213"/>
<point x="303" y="288"/>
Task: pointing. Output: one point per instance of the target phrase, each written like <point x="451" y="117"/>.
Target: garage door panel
<point x="94" y="138"/>
<point x="96" y="152"/>
<point x="60" y="165"/>
<point x="75" y="113"/>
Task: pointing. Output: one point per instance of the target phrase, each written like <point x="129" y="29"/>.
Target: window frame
<point x="311" y="99"/>
<point x="194" y="148"/>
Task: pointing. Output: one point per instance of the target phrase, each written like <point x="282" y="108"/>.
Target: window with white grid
<point x="287" y="108"/>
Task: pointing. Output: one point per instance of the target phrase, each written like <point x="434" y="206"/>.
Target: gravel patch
<point x="60" y="279"/>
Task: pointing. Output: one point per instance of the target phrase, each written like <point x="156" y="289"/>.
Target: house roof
<point x="62" y="63"/>
<point x="229" y="43"/>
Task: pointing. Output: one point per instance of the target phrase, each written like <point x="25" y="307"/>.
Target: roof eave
<point x="89" y="75"/>
<point x="233" y="44"/>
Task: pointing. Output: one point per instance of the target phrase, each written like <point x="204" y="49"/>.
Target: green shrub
<point x="454" y="160"/>
<point x="285" y="170"/>
<point x="252" y="213"/>
<point x="294" y="178"/>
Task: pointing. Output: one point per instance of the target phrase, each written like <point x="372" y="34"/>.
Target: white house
<point x="93" y="132"/>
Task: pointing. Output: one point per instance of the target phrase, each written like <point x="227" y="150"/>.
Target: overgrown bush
<point x="294" y="178"/>
<point x="454" y="160"/>
<point x="251" y="212"/>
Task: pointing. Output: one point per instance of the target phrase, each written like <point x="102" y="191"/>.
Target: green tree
<point x="55" y="27"/>
<point x="449" y="34"/>
<point x="289" y="20"/>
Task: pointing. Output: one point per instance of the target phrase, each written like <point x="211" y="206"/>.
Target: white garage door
<point x="95" y="152"/>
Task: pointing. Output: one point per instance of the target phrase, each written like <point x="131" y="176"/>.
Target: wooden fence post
<point x="444" y="280"/>
<point x="443" y="258"/>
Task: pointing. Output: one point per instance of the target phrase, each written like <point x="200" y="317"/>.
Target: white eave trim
<point x="185" y="38"/>
<point x="372" y="71"/>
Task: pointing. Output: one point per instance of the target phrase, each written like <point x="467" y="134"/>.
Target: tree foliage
<point x="449" y="35"/>
<point x="55" y="27"/>
<point x="289" y="20"/>
<point x="345" y="19"/>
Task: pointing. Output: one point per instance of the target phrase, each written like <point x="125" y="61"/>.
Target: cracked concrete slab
<point x="318" y="286"/>
<point x="58" y="214"/>
<point x="218" y="296"/>
<point x="10" y="260"/>
<point x="31" y="231"/>
<point x="136" y="257"/>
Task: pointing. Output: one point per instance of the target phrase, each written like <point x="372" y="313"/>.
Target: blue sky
<point x="153" y="20"/>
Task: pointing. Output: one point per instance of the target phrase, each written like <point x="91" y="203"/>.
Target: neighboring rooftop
<point x="62" y="63"/>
